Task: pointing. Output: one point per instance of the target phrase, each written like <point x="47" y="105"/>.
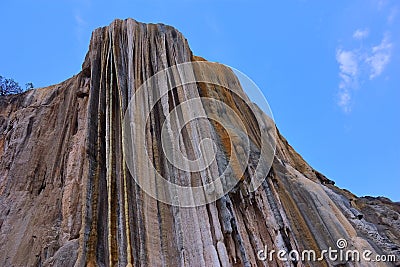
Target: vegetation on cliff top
<point x="9" y="87"/>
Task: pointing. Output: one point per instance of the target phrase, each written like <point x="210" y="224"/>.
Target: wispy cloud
<point x="379" y="57"/>
<point x="80" y="25"/>
<point x="344" y="100"/>
<point x="79" y="20"/>
<point x="381" y="4"/>
<point x="360" y="34"/>
<point x="347" y="62"/>
<point x="354" y="64"/>
<point x="393" y="14"/>
<point x="348" y="66"/>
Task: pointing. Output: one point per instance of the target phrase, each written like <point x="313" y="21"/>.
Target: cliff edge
<point x="67" y="199"/>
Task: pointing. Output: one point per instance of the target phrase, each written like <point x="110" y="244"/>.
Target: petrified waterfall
<point x="69" y="198"/>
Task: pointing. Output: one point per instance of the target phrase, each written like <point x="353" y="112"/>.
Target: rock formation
<point x="67" y="198"/>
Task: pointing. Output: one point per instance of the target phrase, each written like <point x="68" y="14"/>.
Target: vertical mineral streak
<point x="67" y="198"/>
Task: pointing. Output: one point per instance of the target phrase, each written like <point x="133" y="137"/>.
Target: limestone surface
<point x="67" y="198"/>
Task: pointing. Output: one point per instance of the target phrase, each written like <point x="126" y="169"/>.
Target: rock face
<point x="67" y="198"/>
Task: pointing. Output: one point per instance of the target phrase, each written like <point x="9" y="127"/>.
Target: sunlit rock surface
<point x="66" y="198"/>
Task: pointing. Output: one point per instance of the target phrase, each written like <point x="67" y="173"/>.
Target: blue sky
<point x="329" y="69"/>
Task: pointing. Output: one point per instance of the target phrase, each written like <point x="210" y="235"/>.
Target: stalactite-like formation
<point x="68" y="199"/>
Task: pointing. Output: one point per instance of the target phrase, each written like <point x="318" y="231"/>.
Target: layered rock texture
<point x="67" y="198"/>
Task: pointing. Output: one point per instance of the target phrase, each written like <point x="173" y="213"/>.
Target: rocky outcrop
<point x="68" y="199"/>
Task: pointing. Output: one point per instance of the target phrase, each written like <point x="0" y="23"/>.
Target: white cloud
<point x="367" y="56"/>
<point x="347" y="62"/>
<point x="360" y="34"/>
<point x="358" y="63"/>
<point x="379" y="58"/>
<point x="348" y="65"/>
<point x="344" y="100"/>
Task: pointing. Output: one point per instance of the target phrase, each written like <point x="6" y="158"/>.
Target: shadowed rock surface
<point x="67" y="199"/>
